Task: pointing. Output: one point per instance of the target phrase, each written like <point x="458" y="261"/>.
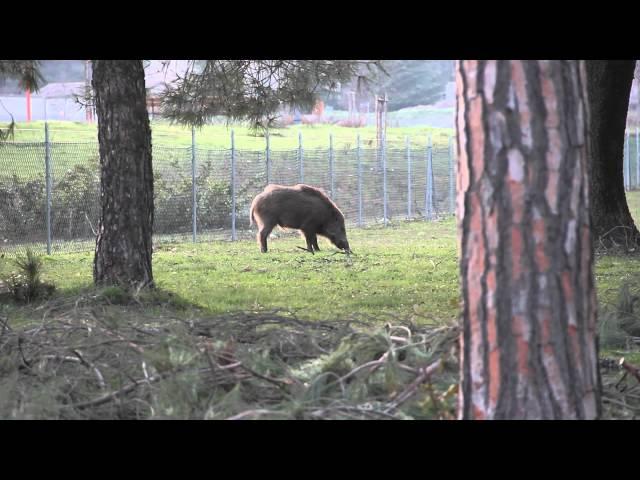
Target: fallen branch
<point x="90" y="365"/>
<point x="374" y="363"/>
<point x="118" y="357"/>
<point x="275" y="381"/>
<point x="95" y="233"/>
<point x="616" y="402"/>
<point x="411" y="389"/>
<point x="249" y="413"/>
<point x="367" y="412"/>
<point x="108" y="397"/>
<point x="5" y="324"/>
<point x="633" y="370"/>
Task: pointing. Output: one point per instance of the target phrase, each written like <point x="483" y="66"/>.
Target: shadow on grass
<point x="154" y="301"/>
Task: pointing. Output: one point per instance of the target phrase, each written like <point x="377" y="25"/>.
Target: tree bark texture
<point x="609" y="87"/>
<point x="528" y="341"/>
<point x="124" y="243"/>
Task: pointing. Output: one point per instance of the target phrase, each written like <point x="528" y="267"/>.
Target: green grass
<point x="633" y="200"/>
<point x="404" y="269"/>
<point x="612" y="270"/>
<point x="408" y="269"/>
<point x="218" y="136"/>
<point x="76" y="143"/>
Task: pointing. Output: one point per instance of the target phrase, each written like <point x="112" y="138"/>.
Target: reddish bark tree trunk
<point x="528" y="345"/>
<point x="124" y="243"/>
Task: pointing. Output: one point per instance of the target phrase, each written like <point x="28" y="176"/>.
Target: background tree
<point x="528" y="345"/>
<point x="254" y="90"/>
<point x="609" y="85"/>
<point x="50" y="71"/>
<point x="124" y="243"/>
<point x="28" y="77"/>
<point x="243" y="89"/>
<point x="407" y="83"/>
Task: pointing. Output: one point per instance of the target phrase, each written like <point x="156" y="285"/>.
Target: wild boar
<point x="301" y="207"/>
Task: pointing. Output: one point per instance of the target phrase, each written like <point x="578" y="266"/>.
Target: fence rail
<point x="49" y="191"/>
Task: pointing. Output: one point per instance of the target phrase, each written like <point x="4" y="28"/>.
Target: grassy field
<point x="612" y="271"/>
<point x="219" y="136"/>
<point x="406" y="269"/>
<point x="219" y="297"/>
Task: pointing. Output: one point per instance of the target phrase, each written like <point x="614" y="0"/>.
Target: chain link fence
<point x="49" y="191"/>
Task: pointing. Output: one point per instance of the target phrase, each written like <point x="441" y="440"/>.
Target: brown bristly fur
<point x="302" y="207"/>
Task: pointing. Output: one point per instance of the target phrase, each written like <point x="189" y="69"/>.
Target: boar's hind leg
<point x="263" y="234"/>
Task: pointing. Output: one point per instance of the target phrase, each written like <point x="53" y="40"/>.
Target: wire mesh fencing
<point x="50" y="191"/>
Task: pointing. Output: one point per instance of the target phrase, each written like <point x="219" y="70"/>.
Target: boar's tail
<point x="252" y="220"/>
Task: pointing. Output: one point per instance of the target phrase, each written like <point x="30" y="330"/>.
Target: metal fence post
<point x="359" y="160"/>
<point x="47" y="169"/>
<point x="300" y="157"/>
<point x="331" y="173"/>
<point x="384" y="179"/>
<point x="408" y="178"/>
<point x="637" y="157"/>
<point x="428" y="196"/>
<point x="268" y="155"/>
<point x="233" y="187"/>
<point x="451" y="177"/>
<point x="194" y="200"/>
<point x="628" y="140"/>
<point x="626" y="162"/>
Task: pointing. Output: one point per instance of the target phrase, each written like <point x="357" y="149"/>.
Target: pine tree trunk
<point x="124" y="243"/>
<point x="528" y="342"/>
<point x="609" y="86"/>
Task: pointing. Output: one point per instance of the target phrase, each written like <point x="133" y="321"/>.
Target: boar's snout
<point x="343" y="245"/>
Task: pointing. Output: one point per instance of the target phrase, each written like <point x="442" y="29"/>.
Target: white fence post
<point x="384" y="179"/>
<point x="637" y="158"/>
<point x="233" y="188"/>
<point x="47" y="168"/>
<point x="194" y="199"/>
<point x="408" y="149"/>
<point x="451" y="178"/>
<point x="428" y="196"/>
<point x="626" y="166"/>
<point x="359" y="160"/>
<point x="300" y="157"/>
<point x="268" y="155"/>
<point x="331" y="172"/>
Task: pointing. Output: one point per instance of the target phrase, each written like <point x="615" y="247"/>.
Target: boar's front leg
<point x="315" y="243"/>
<point x="310" y="238"/>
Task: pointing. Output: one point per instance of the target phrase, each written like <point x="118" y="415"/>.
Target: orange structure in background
<point x="318" y="109"/>
<point x="28" y="105"/>
<point x="87" y="78"/>
<point x="153" y="106"/>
